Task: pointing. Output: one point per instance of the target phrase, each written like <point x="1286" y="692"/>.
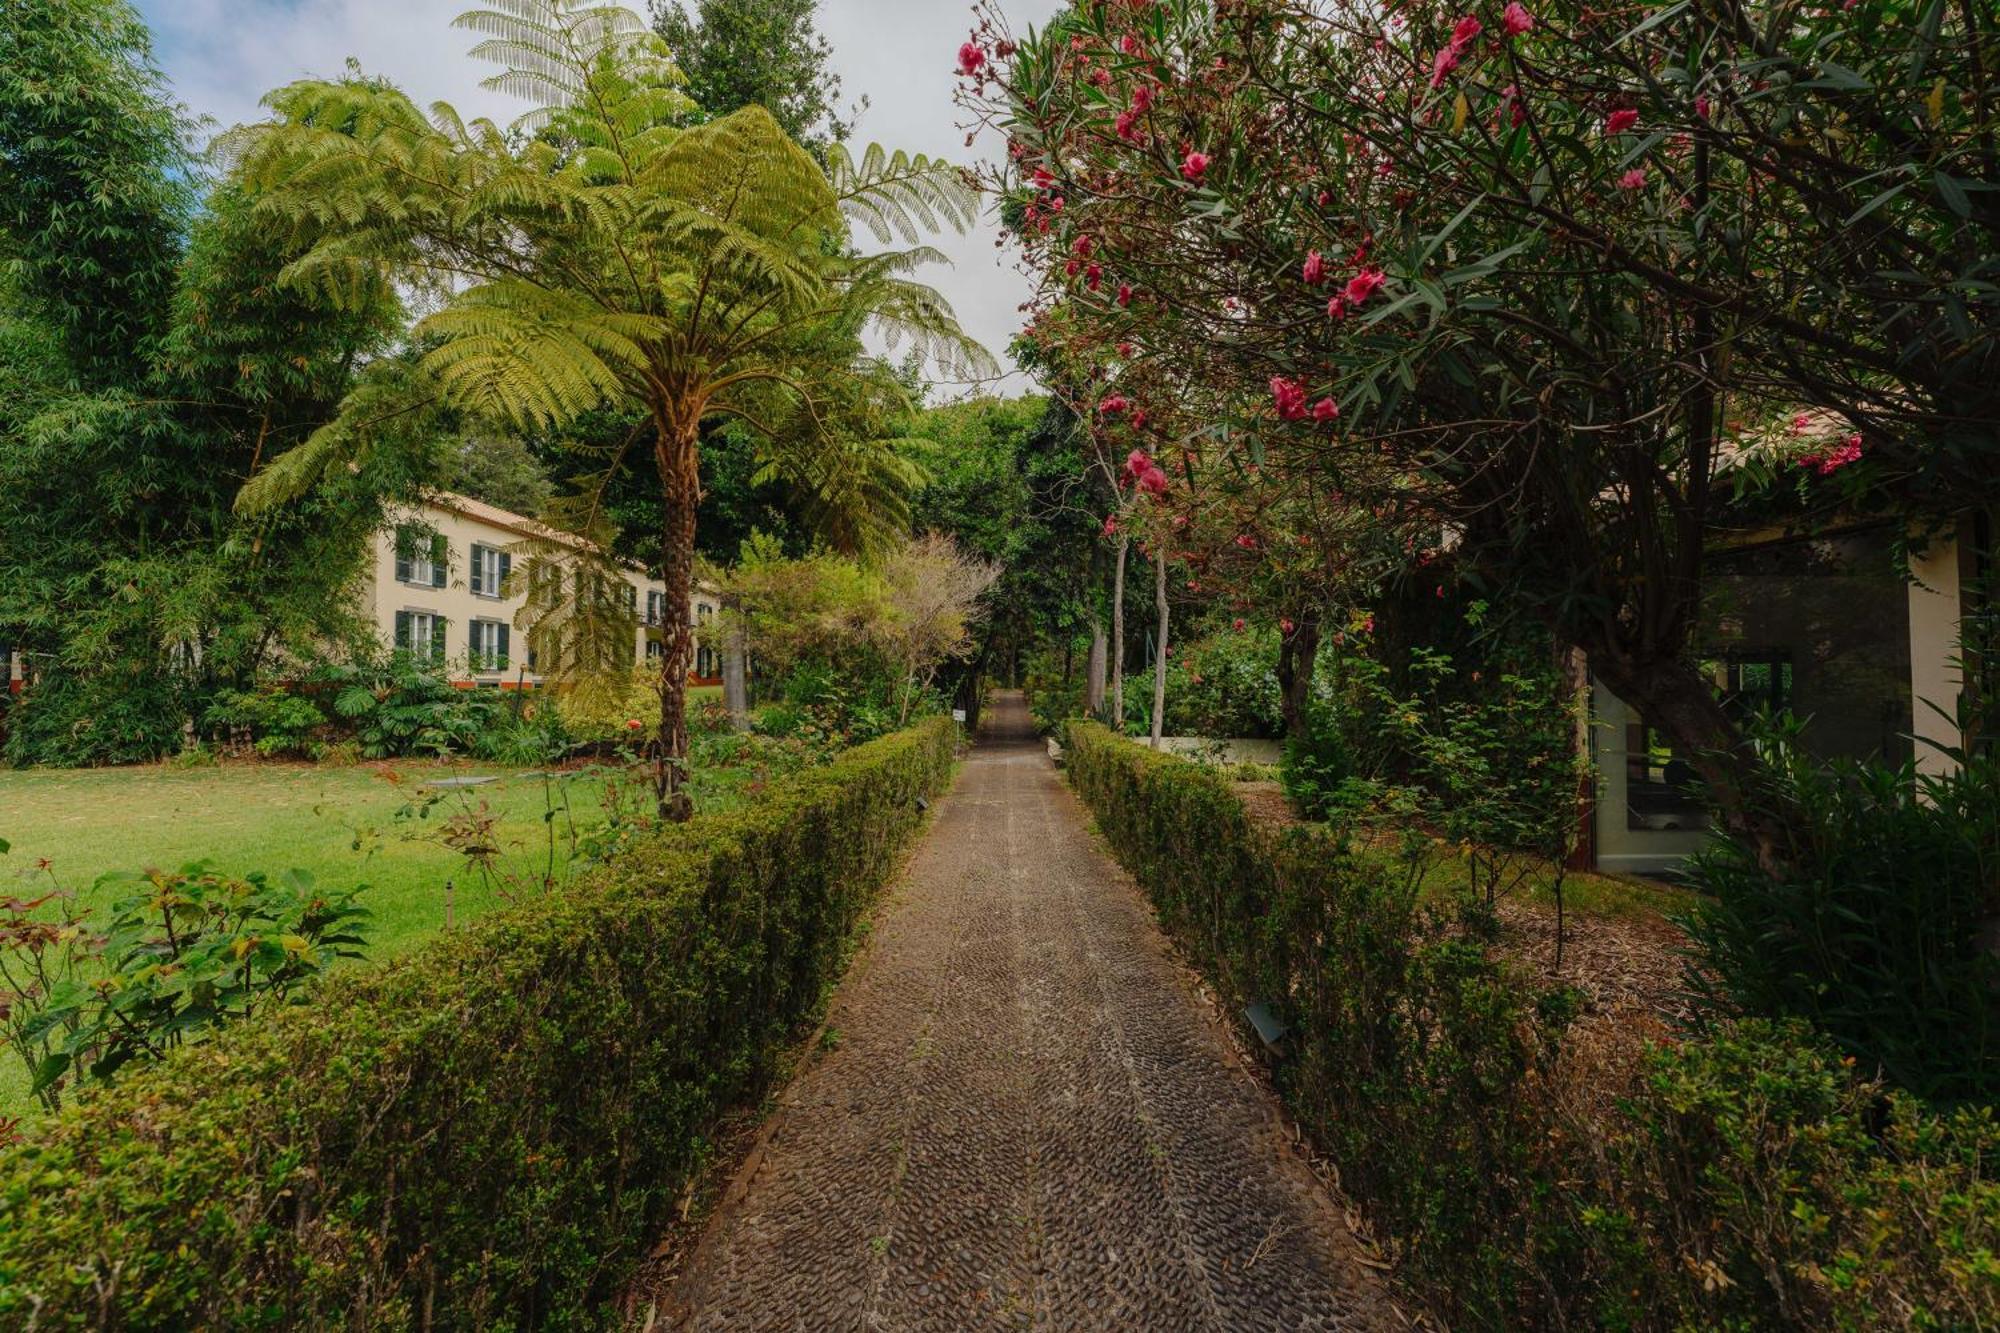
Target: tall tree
<point x="605" y="254"/>
<point x="768" y="53"/>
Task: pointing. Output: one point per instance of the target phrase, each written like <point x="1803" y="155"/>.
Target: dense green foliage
<point x="149" y="362"/>
<point x="489" y="1133"/>
<point x="1747" y="1179"/>
<point x="1878" y="934"/>
<point x="768" y="53"/>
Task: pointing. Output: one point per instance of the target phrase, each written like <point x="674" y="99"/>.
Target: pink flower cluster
<point x="1145" y="473"/>
<point x="971" y="59"/>
<point x="1462" y="37"/>
<point x="1832" y="459"/>
<point x="1289" y="396"/>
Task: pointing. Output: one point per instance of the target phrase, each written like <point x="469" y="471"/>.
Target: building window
<point x="654" y="650"/>
<point x="656" y="608"/>
<point x="490" y="569"/>
<point x="421" y="556"/>
<point x="487" y="645"/>
<point x="421" y="635"/>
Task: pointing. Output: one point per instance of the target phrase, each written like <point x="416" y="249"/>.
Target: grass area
<point x="340" y="824"/>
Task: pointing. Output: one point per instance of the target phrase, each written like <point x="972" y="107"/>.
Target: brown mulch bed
<point x="1629" y="968"/>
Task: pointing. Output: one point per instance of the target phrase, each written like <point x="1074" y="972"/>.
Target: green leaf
<point x="48" y="1071"/>
<point x="1952" y="193"/>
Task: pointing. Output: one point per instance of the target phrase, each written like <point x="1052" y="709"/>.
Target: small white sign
<point x="958" y="715"/>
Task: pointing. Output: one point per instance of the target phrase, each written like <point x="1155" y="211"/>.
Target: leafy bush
<point x="401" y="707"/>
<point x="1877" y="934"/>
<point x="1318" y="770"/>
<point x="1225" y="686"/>
<point x="183" y="953"/>
<point x="279" y="721"/>
<point x="1749" y="1180"/>
<point x="81" y="721"/>
<point x="488" y="1133"/>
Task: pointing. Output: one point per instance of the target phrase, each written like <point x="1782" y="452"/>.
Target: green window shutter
<point x="440" y="557"/>
<point x="402" y="554"/>
<point x="501" y="658"/>
<point x="506" y="572"/>
<point x="478" y="576"/>
<point x="403" y="630"/>
<point x="439" y="648"/>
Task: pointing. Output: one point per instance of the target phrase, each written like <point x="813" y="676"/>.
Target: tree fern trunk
<point x="678" y="457"/>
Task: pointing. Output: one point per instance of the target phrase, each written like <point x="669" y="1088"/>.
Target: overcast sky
<point x="223" y="55"/>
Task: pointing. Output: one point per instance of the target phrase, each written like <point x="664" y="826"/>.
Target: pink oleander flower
<point x="1442" y="64"/>
<point x="1465" y="30"/>
<point x="1129" y="45"/>
<point x="1125" y="349"/>
<point x="1246" y="541"/>
<point x="1111" y="525"/>
<point x="1701" y="106"/>
<point x="1514" y="20"/>
<point x="1800" y="422"/>
<point x="1826" y="462"/>
<point x="1364" y="285"/>
<point x="1153" y="482"/>
<point x="1336" y="308"/>
<point x="1195" y="165"/>
<point x="971" y="59"/>
<point x="1325" y="410"/>
<point x="1142" y="99"/>
<point x="1237" y="624"/>
<point x="1314" y="269"/>
<point x="1082" y="246"/>
<point x="1114" y="404"/>
<point x="1093" y="276"/>
<point x="1289" y="397"/>
<point x="1620" y="121"/>
<point x="1044" y="178"/>
<point x="1124" y="295"/>
<point x="1127" y="124"/>
<point x="1635" y="179"/>
<point x="1137" y="462"/>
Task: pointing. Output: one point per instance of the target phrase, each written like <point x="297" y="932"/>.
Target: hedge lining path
<point x="1028" y="1120"/>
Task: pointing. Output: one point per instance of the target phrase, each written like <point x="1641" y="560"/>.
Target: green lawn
<point x="338" y="823"/>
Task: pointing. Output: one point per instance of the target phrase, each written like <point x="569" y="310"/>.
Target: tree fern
<point x="597" y="252"/>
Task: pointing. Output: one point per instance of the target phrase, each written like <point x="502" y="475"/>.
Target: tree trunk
<point x="1297" y="653"/>
<point x="1093" y="685"/>
<point x="1681" y="702"/>
<point x="1160" y="659"/>
<point x="677" y="456"/>
<point x="1118" y="636"/>
<point x="736" y="679"/>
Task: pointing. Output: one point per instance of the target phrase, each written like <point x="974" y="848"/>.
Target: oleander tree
<point x="1538" y="273"/>
<point x="602" y="252"/>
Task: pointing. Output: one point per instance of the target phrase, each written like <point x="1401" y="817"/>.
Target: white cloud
<point x="223" y="55"/>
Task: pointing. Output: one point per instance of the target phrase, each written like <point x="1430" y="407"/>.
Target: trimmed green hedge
<point x="487" y="1134"/>
<point x="1747" y="1179"/>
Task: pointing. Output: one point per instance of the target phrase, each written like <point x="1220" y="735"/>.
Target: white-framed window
<point x="489" y="569"/>
<point x="422" y="556"/>
<point x="487" y="645"/>
<point x="655" y="650"/>
<point x="656" y="607"/>
<point x="421" y="635"/>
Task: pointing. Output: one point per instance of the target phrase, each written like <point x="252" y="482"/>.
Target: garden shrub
<point x="1225" y="686"/>
<point x="1750" y="1179"/>
<point x="1878" y="932"/>
<point x="279" y="721"/>
<point x="487" y="1134"/>
<point x="81" y="721"/>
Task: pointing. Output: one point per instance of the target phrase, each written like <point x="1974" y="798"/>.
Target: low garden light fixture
<point x="1270" y="1029"/>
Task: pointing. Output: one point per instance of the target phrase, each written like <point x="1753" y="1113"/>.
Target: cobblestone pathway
<point x="1028" y="1122"/>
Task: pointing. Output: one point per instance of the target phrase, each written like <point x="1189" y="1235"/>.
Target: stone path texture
<point x="1028" y="1120"/>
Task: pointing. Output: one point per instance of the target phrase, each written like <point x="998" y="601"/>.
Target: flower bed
<point x="488" y="1133"/>
<point x="1745" y="1178"/>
